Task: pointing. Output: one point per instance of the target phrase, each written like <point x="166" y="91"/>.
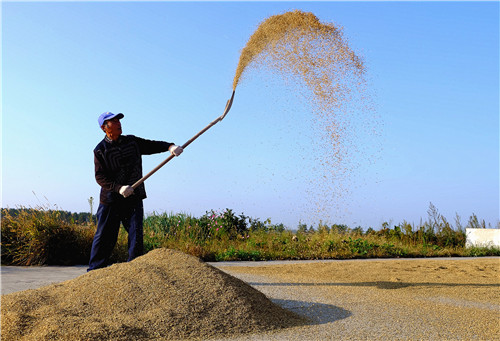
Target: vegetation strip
<point x="41" y="236"/>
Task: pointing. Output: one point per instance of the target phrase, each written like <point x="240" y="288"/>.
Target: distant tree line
<point x="70" y="217"/>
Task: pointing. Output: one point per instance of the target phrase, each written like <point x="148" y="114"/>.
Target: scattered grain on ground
<point x="407" y="299"/>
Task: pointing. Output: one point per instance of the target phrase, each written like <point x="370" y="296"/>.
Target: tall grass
<point x="39" y="236"/>
<point x="42" y="236"/>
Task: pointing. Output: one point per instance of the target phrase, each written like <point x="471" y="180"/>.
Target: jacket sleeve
<point x="101" y="176"/>
<point x="148" y="147"/>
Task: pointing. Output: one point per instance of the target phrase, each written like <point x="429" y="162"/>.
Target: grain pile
<point x="316" y="62"/>
<point x="163" y="295"/>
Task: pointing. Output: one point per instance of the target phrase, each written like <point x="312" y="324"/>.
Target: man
<point x="118" y="165"/>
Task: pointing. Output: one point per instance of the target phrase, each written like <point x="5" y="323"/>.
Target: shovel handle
<point x="171" y="156"/>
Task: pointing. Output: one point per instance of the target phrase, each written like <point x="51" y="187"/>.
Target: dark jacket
<point x="119" y="163"/>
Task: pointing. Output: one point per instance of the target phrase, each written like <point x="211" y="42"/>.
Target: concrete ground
<point x="19" y="278"/>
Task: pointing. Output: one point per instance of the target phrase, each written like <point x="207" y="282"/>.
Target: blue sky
<point x="169" y="67"/>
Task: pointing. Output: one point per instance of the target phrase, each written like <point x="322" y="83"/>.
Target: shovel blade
<point x="228" y="107"/>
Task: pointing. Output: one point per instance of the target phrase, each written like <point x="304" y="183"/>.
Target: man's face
<point x="113" y="128"/>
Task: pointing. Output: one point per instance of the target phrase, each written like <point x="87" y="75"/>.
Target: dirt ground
<point x="413" y="299"/>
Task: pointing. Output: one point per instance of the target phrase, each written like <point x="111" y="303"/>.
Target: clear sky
<point x="169" y="67"/>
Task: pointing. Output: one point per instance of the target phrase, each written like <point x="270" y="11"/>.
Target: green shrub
<point x="239" y="254"/>
<point x="482" y="251"/>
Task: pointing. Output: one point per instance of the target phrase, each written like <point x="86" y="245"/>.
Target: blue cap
<point x="108" y="116"/>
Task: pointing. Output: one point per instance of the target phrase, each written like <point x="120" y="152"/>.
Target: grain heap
<point x="315" y="60"/>
<point x="163" y="295"/>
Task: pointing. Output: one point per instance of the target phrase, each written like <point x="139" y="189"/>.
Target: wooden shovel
<point x="218" y="119"/>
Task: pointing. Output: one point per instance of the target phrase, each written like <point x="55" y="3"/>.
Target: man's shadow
<point x="382" y="284"/>
<point x="315" y="313"/>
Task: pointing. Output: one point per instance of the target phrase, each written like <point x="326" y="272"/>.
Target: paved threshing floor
<point x="412" y="299"/>
<point x="393" y="299"/>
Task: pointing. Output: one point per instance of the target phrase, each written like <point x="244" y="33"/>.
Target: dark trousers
<point x="130" y="213"/>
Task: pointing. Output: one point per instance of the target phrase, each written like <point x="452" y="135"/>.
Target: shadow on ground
<point x="380" y="284"/>
<point x="316" y="313"/>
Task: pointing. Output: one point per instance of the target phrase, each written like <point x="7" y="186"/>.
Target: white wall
<point x="482" y="237"/>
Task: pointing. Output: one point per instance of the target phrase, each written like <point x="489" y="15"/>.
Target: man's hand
<point x="126" y="191"/>
<point x="175" y="150"/>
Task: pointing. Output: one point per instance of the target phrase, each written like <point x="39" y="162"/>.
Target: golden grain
<point x="316" y="60"/>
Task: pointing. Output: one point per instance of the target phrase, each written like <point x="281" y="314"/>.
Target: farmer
<point x="118" y="165"/>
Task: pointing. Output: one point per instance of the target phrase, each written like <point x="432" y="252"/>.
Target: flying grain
<point x="316" y="60"/>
